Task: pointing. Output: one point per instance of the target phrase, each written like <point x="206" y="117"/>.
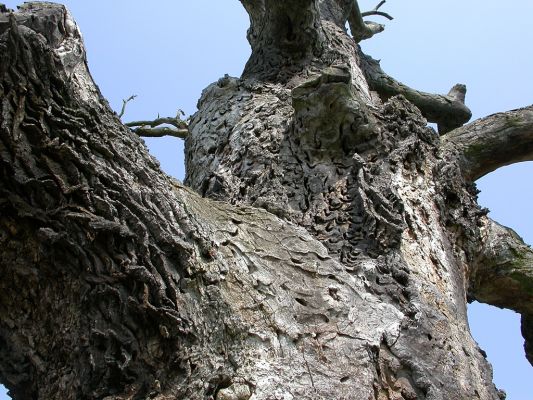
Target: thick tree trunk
<point x="329" y="256"/>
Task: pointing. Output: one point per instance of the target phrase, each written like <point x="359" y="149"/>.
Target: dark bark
<point x="334" y="262"/>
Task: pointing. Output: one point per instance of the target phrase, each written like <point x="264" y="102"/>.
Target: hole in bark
<point x="345" y="378"/>
<point x="301" y="301"/>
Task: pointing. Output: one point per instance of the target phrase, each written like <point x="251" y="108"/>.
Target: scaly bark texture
<point x="328" y="255"/>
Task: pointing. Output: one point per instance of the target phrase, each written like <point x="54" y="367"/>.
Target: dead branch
<point x="124" y="103"/>
<point x="503" y="275"/>
<point x="448" y="111"/>
<point x="376" y="11"/>
<point x="361" y="29"/>
<point x="152" y="128"/>
<point x="147" y="131"/>
<point x="492" y="142"/>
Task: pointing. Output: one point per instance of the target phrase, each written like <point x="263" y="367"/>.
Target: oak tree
<point x="324" y="246"/>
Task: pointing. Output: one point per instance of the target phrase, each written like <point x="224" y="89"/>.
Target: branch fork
<point x="153" y="128"/>
<point x="362" y="29"/>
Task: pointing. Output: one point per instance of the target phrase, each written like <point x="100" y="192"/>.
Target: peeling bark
<point x="328" y="254"/>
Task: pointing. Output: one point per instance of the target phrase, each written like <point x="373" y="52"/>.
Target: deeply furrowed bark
<point x="334" y="265"/>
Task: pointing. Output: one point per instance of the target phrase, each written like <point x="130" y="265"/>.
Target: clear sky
<point x="167" y="51"/>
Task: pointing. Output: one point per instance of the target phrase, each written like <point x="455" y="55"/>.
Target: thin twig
<point x="376" y="11"/>
<point x="380" y="4"/>
<point x="380" y="13"/>
<point x="124" y="103"/>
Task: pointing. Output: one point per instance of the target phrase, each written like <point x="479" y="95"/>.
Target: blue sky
<point x="166" y="52"/>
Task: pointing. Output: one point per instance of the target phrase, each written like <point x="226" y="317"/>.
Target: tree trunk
<point x="329" y="253"/>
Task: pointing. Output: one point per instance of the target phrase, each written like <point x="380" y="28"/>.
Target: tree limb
<point x="160" y="132"/>
<point x="152" y="129"/>
<point x="124" y="103"/>
<point x="448" y="111"/>
<point x="174" y="121"/>
<point x="492" y="142"/>
<point x="361" y="29"/>
<point x="503" y="274"/>
<point x="376" y="11"/>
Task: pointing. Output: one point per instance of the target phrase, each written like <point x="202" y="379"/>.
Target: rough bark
<point x="328" y="254"/>
<point x="492" y="142"/>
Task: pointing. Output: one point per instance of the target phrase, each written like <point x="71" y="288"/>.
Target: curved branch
<point x="448" y="111"/>
<point x="361" y="29"/>
<point x="174" y="121"/>
<point x="492" y="142"/>
<point x="503" y="275"/>
<point x="125" y="103"/>
<point x="152" y="129"/>
<point x="160" y="132"/>
<point x="376" y="11"/>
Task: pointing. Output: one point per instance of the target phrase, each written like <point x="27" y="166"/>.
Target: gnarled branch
<point x="146" y="131"/>
<point x="376" y="11"/>
<point x="503" y="275"/>
<point x="492" y="142"/>
<point x="153" y="129"/>
<point x="361" y="29"/>
<point x="125" y="103"/>
<point x="448" y="111"/>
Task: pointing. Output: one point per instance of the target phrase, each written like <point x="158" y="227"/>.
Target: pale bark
<point x="334" y="263"/>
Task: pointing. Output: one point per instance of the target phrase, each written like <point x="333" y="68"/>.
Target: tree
<point x="352" y="285"/>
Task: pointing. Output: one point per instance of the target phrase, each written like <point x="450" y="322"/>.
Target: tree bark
<point x="324" y="250"/>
